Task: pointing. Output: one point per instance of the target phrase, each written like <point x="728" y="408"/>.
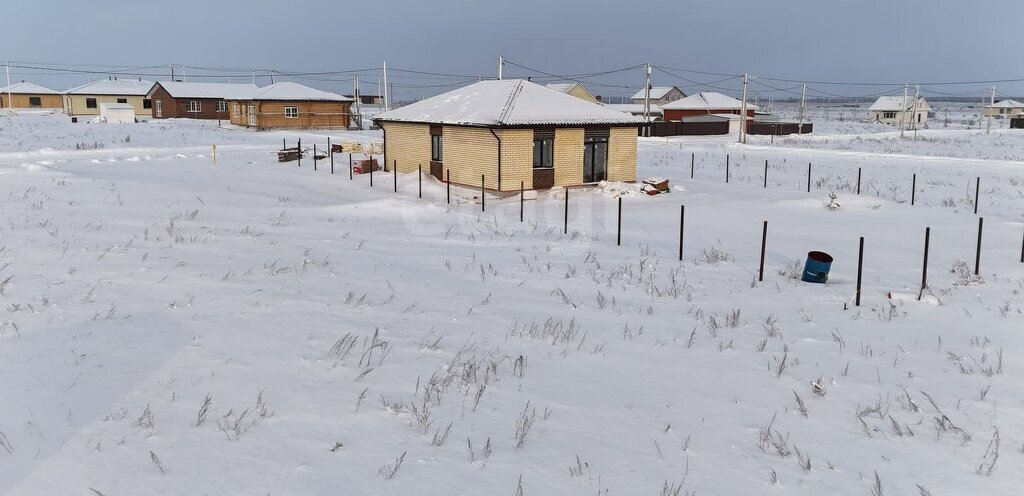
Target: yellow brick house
<point x="575" y="89"/>
<point x="85" y="100"/>
<point x="511" y="131"/>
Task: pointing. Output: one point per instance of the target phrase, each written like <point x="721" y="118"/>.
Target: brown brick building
<point x="511" y="131"/>
<point x="182" y="100"/>
<point x="26" y="95"/>
<point x="291" y="105"/>
<point x="704" y="104"/>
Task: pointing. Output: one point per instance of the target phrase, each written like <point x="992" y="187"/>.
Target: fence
<point x="677" y="128"/>
<point x="779" y="128"/>
<point x="682" y="213"/>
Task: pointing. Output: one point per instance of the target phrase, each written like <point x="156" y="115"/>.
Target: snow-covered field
<point x="175" y="327"/>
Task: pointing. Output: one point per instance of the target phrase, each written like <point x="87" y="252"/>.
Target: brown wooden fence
<point x="677" y="128"/>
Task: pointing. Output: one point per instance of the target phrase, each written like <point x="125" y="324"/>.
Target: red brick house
<point x="707" y="103"/>
<point x="175" y="99"/>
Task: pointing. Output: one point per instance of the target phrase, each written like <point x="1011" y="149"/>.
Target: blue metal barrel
<point x="817" y="266"/>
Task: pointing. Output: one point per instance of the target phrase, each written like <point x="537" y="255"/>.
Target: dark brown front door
<point x="437" y="170"/>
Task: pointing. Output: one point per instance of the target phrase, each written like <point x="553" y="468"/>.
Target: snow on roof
<point x="657" y="92"/>
<point x="289" y="91"/>
<point x="179" y="89"/>
<point x="708" y="101"/>
<point x="711" y="118"/>
<point x="507" y="102"/>
<point x="127" y="87"/>
<point x="1007" y="104"/>
<point x="894" y="103"/>
<point x="26" y="88"/>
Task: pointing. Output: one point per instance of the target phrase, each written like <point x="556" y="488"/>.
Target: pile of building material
<point x="365" y="166"/>
<point x="655" y="186"/>
<point x="289" y="154"/>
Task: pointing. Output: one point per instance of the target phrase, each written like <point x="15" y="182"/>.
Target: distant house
<point x="86" y="99"/>
<point x="895" y="110"/>
<point x="510" y="132"/>
<point x="660" y="95"/>
<point x="636" y="109"/>
<point x="368" y="99"/>
<point x="290" y="105"/>
<point x="174" y="99"/>
<point x="1004" y="108"/>
<point x="704" y="104"/>
<point x="575" y="89"/>
<point x="26" y="95"/>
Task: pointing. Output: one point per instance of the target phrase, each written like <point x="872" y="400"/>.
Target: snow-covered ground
<point x="171" y="326"/>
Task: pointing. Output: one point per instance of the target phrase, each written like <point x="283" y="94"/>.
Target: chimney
<point x="598" y="98"/>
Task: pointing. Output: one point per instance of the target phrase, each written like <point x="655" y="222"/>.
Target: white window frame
<point x="222" y="106"/>
<point x="195" y="106"/>
<point x="291" y="112"/>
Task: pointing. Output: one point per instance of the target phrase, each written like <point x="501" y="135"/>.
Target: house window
<point x="90" y="103"/>
<point x="543" y="149"/>
<point x="194" y="106"/>
<point x="436" y="144"/>
<point x="235" y="109"/>
<point x="35" y="101"/>
<point x="147" y="103"/>
<point x="888" y="115"/>
<point x="222" y="106"/>
<point x="291" y="112"/>
<point x="122" y="100"/>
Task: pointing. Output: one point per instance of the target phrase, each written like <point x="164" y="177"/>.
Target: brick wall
<point x="470" y="152"/>
<point x="622" y="154"/>
<point x="516" y="158"/>
<point x="409" y="145"/>
<point x="569" y="156"/>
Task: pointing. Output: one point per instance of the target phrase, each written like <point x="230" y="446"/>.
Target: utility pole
<point x="743" y="112"/>
<point x="7" y="67"/>
<point x="903" y="111"/>
<point x="803" y="101"/>
<point x="501" y="67"/>
<point x="272" y="76"/>
<point x="355" y="93"/>
<point x="647" y="99"/>
<point x="387" y="102"/>
<point x="988" y="126"/>
<point x="254" y="77"/>
<point x="913" y="122"/>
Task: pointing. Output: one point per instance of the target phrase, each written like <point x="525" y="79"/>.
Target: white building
<point x="117" y="113"/>
<point x="895" y="110"/>
<point x="1004" y="108"/>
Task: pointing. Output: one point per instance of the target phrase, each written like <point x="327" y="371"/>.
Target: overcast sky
<point x="818" y="40"/>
